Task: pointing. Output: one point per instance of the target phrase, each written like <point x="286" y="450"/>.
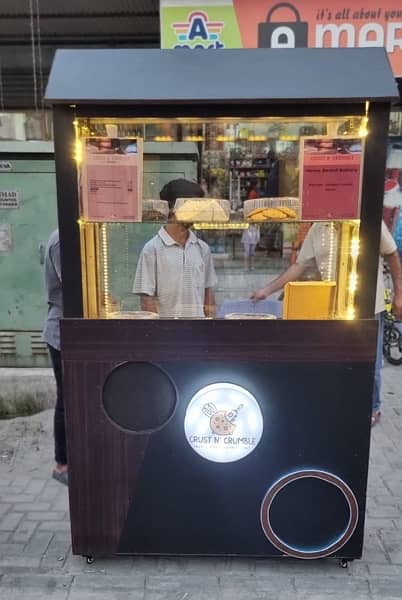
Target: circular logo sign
<point x="223" y="422"/>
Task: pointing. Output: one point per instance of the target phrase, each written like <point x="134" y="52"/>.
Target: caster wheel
<point x="90" y="560"/>
<point x="343" y="563"/>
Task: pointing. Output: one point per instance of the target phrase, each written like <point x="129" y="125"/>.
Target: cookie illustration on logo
<point x="221" y="421"/>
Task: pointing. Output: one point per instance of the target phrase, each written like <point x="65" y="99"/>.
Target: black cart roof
<point x="252" y="75"/>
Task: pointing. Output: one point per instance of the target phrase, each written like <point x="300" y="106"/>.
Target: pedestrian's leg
<point x="252" y="254"/>
<point x="59" y="425"/>
<point x="247" y="256"/>
<point x="376" y="409"/>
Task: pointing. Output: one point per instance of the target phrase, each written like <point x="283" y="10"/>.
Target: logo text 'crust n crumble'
<point x="223" y="422"/>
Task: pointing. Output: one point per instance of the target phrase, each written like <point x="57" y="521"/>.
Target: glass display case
<point x="297" y="173"/>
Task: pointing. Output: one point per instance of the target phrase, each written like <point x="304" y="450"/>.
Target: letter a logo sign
<point x="283" y="34"/>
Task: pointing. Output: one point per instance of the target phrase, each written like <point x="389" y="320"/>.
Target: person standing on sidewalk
<point x="250" y="238"/>
<point x="51" y="335"/>
<point x="315" y="251"/>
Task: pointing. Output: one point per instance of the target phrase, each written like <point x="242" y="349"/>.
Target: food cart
<point x="236" y="436"/>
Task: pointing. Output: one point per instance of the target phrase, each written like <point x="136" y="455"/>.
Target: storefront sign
<point x="330" y="177"/>
<point x="5" y="237"/>
<point x="111" y="179"/>
<point x="5" y="166"/>
<point x="223" y="422"/>
<point x="270" y="24"/>
<point x="10" y="198"/>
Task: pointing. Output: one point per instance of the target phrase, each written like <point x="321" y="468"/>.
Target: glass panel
<point x="30" y="125"/>
<point x="191" y="219"/>
<point x="395" y="123"/>
<point x="392" y="209"/>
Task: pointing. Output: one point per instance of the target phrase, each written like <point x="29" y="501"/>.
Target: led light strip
<point x="105" y="265"/>
<point x="330" y="275"/>
<point x="323" y="551"/>
<point x="353" y="277"/>
<point x="237" y="225"/>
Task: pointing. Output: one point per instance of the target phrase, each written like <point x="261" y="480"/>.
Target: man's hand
<point x="260" y="294"/>
<point x="148" y="303"/>
<point x="395" y="267"/>
<point x="397" y="306"/>
<point x="293" y="273"/>
<point x="209" y="303"/>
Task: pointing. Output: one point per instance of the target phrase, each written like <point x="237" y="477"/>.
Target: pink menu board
<point x="330" y="177"/>
<point x="111" y="179"/>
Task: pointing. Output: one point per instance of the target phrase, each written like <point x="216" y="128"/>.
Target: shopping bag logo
<point x="283" y="34"/>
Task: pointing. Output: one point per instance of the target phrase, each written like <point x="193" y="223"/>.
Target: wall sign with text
<point x="111" y="179"/>
<point x="10" y="198"/>
<point x="5" y="166"/>
<point x="269" y="24"/>
<point x="330" y="177"/>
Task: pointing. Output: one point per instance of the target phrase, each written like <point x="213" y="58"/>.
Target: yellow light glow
<point x="105" y="264"/>
<point x="78" y="151"/>
<point x="352" y="282"/>
<point x="363" y="131"/>
<point x="330" y="274"/>
<point x="225" y="138"/>
<point x="189" y="119"/>
<point x="257" y="138"/>
<point x="193" y="138"/>
<point x="221" y="225"/>
<point x="354" y="252"/>
<point x="163" y="138"/>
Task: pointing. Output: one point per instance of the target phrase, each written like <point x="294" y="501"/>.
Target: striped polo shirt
<point x="177" y="276"/>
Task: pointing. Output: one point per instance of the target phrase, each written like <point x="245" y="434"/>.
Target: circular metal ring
<point x="323" y="551"/>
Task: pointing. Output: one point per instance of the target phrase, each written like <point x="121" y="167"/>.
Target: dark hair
<point x="180" y="188"/>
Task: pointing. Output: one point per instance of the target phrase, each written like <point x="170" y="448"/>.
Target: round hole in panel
<point x="311" y="520"/>
<point x="139" y="397"/>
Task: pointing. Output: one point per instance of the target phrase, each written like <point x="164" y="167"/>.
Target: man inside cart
<point x="51" y="335"/>
<point x="313" y="251"/>
<point x="175" y="274"/>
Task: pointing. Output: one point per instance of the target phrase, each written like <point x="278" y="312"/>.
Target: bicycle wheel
<point x="393" y="346"/>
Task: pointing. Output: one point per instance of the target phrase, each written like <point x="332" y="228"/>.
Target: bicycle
<point x="392" y="343"/>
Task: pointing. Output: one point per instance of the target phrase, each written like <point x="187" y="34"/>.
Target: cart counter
<point x="218" y="437"/>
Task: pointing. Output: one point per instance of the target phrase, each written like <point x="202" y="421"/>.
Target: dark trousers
<point x="59" y="426"/>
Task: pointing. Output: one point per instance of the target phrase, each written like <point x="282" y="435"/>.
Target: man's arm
<point x="395" y="267"/>
<point x="145" y="279"/>
<point x="148" y="303"/>
<point x="209" y="303"/>
<point x="293" y="273"/>
<point x="209" y="282"/>
<point x="54" y="254"/>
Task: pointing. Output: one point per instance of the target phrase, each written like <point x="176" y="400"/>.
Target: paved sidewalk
<point x="36" y="560"/>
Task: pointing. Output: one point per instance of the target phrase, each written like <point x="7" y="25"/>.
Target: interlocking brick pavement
<point x="35" y="550"/>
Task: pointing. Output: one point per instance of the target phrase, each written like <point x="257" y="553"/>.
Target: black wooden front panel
<point x="152" y="493"/>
